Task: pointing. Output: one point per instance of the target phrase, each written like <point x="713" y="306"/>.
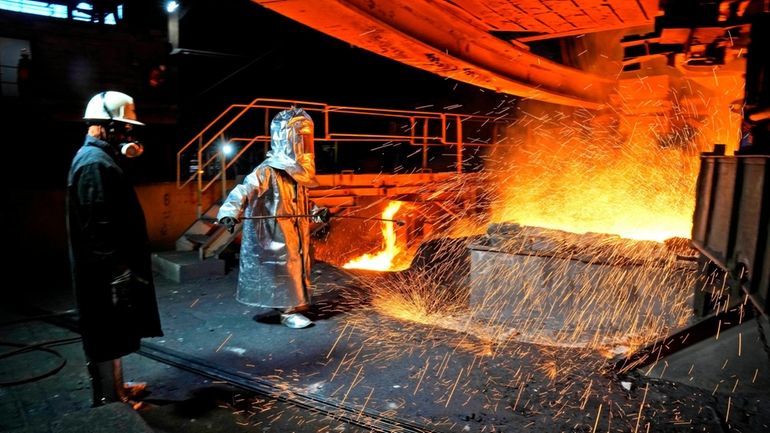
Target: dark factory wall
<point x="229" y="52"/>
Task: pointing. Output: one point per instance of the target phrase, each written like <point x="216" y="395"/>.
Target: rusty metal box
<point x="750" y="254"/>
<point x="574" y="298"/>
<point x="731" y="219"/>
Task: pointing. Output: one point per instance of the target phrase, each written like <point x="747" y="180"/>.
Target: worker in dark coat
<point x="108" y="246"/>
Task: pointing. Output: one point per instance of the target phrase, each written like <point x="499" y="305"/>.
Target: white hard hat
<point x="111" y="105"/>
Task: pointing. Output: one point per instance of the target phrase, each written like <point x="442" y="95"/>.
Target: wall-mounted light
<point x="171" y="6"/>
<point x="227" y="149"/>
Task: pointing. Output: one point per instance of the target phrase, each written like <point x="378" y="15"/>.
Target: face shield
<point x="300" y="134"/>
<point x="292" y="134"/>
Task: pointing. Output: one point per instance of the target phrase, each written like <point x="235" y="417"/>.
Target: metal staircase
<point x="205" y="236"/>
<point x="197" y="251"/>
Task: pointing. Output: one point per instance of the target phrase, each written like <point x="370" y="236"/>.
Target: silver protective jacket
<point x="275" y="252"/>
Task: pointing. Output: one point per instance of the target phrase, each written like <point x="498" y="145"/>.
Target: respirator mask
<point x="131" y="149"/>
<point x="122" y="136"/>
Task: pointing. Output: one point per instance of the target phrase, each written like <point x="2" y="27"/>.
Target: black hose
<point x="24" y="348"/>
<point x="41" y="347"/>
<point x="39" y="317"/>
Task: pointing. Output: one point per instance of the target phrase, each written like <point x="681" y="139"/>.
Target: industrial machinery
<point x="732" y="215"/>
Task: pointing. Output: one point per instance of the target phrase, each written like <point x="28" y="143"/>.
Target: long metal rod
<point x="267" y="217"/>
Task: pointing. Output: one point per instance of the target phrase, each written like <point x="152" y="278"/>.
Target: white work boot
<point x="295" y="320"/>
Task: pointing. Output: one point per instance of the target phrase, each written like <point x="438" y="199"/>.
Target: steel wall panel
<point x="704" y="189"/>
<point x="731" y="222"/>
<point x="762" y="293"/>
<point x="749" y="218"/>
<point x="751" y="240"/>
<point x="718" y="242"/>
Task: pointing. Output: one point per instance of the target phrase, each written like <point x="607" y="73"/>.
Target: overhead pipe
<point x="446" y="40"/>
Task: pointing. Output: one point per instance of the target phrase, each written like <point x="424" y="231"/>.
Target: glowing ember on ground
<point x="405" y="307"/>
<point x="606" y="293"/>
<point x="601" y="285"/>
<point x="581" y="175"/>
<point x="389" y="258"/>
<point x="530" y="342"/>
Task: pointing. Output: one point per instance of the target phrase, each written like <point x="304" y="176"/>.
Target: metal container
<point x="750" y="259"/>
<point x="762" y="291"/>
<point x="555" y="294"/>
<point x="731" y="219"/>
<point x="704" y="189"/>
<point x="719" y="237"/>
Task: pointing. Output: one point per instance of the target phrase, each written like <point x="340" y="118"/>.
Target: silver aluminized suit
<point x="275" y="252"/>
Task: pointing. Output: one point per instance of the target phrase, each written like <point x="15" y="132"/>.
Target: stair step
<point x="182" y="266"/>
<point x="197" y="238"/>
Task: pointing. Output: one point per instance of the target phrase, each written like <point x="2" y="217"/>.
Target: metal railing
<point x="208" y="164"/>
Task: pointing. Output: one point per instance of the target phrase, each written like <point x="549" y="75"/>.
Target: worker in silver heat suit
<point x="275" y="254"/>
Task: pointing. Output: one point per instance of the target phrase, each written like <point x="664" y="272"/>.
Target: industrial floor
<point x="225" y="367"/>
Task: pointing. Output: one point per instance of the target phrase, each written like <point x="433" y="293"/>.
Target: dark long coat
<point x="107" y="237"/>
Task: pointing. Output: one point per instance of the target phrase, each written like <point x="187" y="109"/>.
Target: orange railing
<point x="237" y="124"/>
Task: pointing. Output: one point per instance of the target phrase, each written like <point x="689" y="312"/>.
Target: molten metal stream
<point x="388" y="258"/>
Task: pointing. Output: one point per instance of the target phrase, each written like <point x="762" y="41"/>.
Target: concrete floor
<point x="736" y="359"/>
<point x="359" y="370"/>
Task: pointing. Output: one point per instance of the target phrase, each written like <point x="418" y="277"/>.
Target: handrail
<point x="422" y="129"/>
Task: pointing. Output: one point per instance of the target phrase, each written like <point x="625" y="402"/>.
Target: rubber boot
<point x="108" y="386"/>
<point x="128" y="391"/>
<point x="106" y="389"/>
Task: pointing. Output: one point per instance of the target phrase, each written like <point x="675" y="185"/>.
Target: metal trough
<point x="568" y="289"/>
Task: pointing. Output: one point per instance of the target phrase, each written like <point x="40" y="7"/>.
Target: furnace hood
<point x="466" y="40"/>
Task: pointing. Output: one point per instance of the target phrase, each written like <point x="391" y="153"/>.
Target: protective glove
<point x="321" y="215"/>
<point x="229" y="223"/>
<point x="124" y="289"/>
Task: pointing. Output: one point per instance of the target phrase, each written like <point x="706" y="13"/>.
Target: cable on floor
<point x="41" y="347"/>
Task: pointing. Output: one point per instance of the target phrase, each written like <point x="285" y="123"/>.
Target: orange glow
<point x="411" y="308"/>
<point x="626" y="175"/>
<point x="629" y="170"/>
<point x="633" y="177"/>
<point x="638" y="192"/>
<point x="388" y="258"/>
